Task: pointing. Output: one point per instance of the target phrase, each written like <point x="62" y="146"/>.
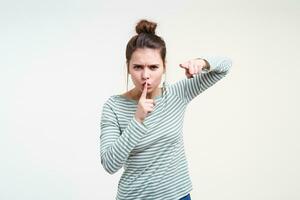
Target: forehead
<point x="146" y="56"/>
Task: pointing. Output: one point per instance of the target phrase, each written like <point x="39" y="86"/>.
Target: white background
<point x="60" y="60"/>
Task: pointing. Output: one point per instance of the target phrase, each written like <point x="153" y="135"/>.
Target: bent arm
<point x="188" y="88"/>
<point x="114" y="146"/>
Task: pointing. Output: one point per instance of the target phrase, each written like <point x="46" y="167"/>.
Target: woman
<point x="141" y="129"/>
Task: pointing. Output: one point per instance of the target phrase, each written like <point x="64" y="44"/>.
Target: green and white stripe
<point x="152" y="153"/>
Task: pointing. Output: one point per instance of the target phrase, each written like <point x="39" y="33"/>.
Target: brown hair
<point x="145" y="38"/>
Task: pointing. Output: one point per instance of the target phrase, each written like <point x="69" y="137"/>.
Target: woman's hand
<point x="145" y="106"/>
<point x="194" y="66"/>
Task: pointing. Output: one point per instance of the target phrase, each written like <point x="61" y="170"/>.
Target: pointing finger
<point x="185" y="66"/>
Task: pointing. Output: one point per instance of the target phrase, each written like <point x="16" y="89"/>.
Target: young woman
<point x="141" y="129"/>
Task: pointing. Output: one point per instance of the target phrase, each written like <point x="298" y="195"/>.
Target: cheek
<point x="134" y="78"/>
<point x="158" y="79"/>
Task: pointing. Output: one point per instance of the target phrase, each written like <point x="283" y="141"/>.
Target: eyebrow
<point x="148" y="65"/>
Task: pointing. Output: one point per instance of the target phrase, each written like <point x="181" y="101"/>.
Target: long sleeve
<point x="188" y="89"/>
<point x="114" y="145"/>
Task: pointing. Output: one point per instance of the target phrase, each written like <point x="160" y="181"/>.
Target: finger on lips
<point x="144" y="94"/>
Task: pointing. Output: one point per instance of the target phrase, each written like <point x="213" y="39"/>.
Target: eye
<point x="153" y="67"/>
<point x="137" y="66"/>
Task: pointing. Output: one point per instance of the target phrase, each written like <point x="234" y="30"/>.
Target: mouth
<point x="148" y="85"/>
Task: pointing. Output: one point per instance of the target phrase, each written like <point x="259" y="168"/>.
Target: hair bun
<point x="145" y="26"/>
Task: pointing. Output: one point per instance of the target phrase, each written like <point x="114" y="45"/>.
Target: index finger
<point x="144" y="93"/>
<point x="184" y="65"/>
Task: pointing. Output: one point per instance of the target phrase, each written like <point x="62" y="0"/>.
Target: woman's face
<point x="146" y="64"/>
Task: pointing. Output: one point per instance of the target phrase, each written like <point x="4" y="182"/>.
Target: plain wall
<point x="60" y="60"/>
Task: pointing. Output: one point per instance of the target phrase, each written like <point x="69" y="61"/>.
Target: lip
<point x="148" y="85"/>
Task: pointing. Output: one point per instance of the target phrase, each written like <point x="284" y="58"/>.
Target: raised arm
<point x="188" y="88"/>
<point x="114" y="146"/>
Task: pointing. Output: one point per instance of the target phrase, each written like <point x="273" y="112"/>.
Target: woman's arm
<point x="188" y="88"/>
<point x="114" y="146"/>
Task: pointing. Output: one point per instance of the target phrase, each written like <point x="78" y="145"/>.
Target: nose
<point x="146" y="74"/>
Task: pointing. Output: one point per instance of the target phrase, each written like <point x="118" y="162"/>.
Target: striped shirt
<point x="152" y="152"/>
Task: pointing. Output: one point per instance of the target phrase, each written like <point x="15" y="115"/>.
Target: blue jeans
<point x="187" y="197"/>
